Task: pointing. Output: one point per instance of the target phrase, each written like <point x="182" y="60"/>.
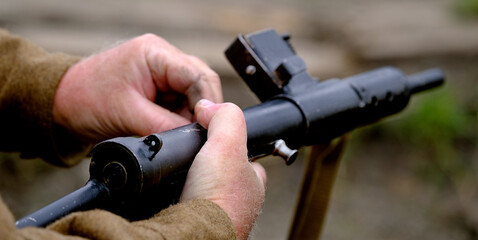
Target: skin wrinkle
<point x="183" y="71"/>
<point x="193" y="89"/>
<point x="146" y="88"/>
<point x="162" y="85"/>
<point x="155" y="56"/>
<point x="154" y="65"/>
<point x="166" y="87"/>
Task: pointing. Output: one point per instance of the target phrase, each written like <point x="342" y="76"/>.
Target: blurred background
<point x="412" y="176"/>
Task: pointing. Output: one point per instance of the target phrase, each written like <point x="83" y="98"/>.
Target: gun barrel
<point x="91" y="193"/>
<point x="425" y="80"/>
<point x="320" y="113"/>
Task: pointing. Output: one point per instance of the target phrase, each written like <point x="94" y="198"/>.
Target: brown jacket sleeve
<point x="28" y="80"/>
<point x="196" y="219"/>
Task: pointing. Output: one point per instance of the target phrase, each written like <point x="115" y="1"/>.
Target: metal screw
<point x="250" y="70"/>
<point x="282" y="150"/>
<point x="286" y="37"/>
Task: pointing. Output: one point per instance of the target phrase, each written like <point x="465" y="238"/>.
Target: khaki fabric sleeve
<point x="196" y="219"/>
<point x="28" y="80"/>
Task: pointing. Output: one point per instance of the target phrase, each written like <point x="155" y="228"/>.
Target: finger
<point x="184" y="74"/>
<point x="196" y="80"/>
<point x="226" y="126"/>
<point x="209" y="87"/>
<point x="204" y="111"/>
<point x="260" y="172"/>
<point x="175" y="103"/>
<point x="151" y="118"/>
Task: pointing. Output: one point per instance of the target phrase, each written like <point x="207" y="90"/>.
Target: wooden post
<point x="319" y="176"/>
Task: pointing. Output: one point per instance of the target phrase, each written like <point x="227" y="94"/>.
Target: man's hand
<point x="146" y="85"/>
<point x="114" y="93"/>
<point x="221" y="171"/>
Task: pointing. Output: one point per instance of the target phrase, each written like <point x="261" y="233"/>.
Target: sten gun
<point x="128" y="173"/>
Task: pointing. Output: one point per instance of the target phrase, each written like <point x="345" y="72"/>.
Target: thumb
<point x="260" y="172"/>
<point x="221" y="171"/>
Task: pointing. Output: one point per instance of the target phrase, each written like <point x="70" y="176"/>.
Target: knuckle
<point x="208" y="75"/>
<point x="149" y="37"/>
<point x="232" y="109"/>
<point x="195" y="59"/>
<point x="201" y="76"/>
<point x="231" y="106"/>
<point x="205" y="70"/>
<point x="214" y="77"/>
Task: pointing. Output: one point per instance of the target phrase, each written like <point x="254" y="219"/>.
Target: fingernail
<point x="205" y="103"/>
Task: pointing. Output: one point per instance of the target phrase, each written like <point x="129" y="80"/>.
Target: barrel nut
<point x="282" y="150"/>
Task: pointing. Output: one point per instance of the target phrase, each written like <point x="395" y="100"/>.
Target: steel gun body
<point x="297" y="110"/>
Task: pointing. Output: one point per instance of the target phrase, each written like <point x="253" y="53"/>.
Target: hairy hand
<point x="221" y="171"/>
<point x="114" y="93"/>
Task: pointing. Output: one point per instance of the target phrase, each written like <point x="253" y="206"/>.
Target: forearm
<point x="28" y="80"/>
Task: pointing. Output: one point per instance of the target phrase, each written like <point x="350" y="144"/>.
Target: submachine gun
<point x="296" y="110"/>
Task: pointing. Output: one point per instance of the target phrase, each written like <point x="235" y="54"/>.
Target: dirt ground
<point x="377" y="194"/>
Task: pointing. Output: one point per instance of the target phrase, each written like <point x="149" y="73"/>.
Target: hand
<point x="221" y="171"/>
<point x="113" y="93"/>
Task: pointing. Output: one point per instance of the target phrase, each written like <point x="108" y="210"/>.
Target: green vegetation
<point x="442" y="131"/>
<point x="438" y="135"/>
<point x="439" y="130"/>
<point x="468" y="8"/>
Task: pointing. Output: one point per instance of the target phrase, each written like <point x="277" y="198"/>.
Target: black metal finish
<point x="297" y="109"/>
<point x="145" y="168"/>
<point x="90" y="195"/>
